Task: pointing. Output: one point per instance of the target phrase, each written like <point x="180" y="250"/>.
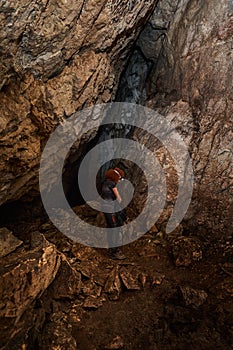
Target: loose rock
<point x="8" y="242"/>
<point x="186" y="250"/>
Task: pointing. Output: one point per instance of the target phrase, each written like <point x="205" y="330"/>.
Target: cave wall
<point x="191" y="83"/>
<point x="57" y="57"/>
<point x="181" y="66"/>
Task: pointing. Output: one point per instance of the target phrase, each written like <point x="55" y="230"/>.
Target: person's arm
<point x="117" y="194"/>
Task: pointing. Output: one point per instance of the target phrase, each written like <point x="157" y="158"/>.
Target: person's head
<point x="115" y="174"/>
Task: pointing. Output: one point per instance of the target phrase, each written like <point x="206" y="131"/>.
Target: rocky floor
<point x="170" y="293"/>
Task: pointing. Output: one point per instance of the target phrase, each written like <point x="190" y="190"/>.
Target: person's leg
<point x="111" y="223"/>
<point x="115" y="252"/>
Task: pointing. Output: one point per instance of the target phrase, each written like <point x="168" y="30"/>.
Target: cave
<point x="148" y="86"/>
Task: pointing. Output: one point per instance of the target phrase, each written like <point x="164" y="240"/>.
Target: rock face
<point x="57" y="57"/>
<point x="198" y="88"/>
<point x="182" y="66"/>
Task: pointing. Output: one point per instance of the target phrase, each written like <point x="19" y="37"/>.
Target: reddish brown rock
<point x="113" y="284"/>
<point x="130" y="278"/>
<point x="67" y="283"/>
<point x="56" y="59"/>
<point x="8" y="242"/>
<point x="193" y="297"/>
<point x="24" y="276"/>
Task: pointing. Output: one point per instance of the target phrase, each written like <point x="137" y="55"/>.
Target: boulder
<point x="24" y="276"/>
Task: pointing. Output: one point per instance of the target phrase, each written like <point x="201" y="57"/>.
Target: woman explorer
<point x="111" y="194"/>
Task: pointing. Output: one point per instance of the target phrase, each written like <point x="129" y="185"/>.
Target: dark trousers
<point x="112" y="222"/>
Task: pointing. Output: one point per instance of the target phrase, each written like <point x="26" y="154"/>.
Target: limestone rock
<point x="156" y="278"/>
<point x="181" y="66"/>
<point x="89" y="288"/>
<point x="93" y="303"/>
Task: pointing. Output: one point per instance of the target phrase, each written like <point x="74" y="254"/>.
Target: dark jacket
<point x="107" y="192"/>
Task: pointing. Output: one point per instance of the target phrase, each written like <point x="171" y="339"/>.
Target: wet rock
<point x="36" y="239"/>
<point x="101" y="275"/>
<point x="116" y="343"/>
<point x="97" y="270"/>
<point x="87" y="213"/>
<point x="8" y="242"/>
<point x="149" y="250"/>
<point x="62" y="242"/>
<point x="186" y="250"/>
<point x="87" y="268"/>
<point x="193" y="297"/>
<point x="192" y="88"/>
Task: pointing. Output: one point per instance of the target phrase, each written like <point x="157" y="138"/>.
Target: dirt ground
<point x="159" y="316"/>
<point x="172" y="307"/>
<point x="153" y="300"/>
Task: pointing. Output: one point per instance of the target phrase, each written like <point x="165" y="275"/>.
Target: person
<point x="111" y="194"/>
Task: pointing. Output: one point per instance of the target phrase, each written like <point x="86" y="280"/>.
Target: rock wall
<point x="56" y="58"/>
<point x="199" y="89"/>
<point x="60" y="56"/>
<point x="182" y="67"/>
